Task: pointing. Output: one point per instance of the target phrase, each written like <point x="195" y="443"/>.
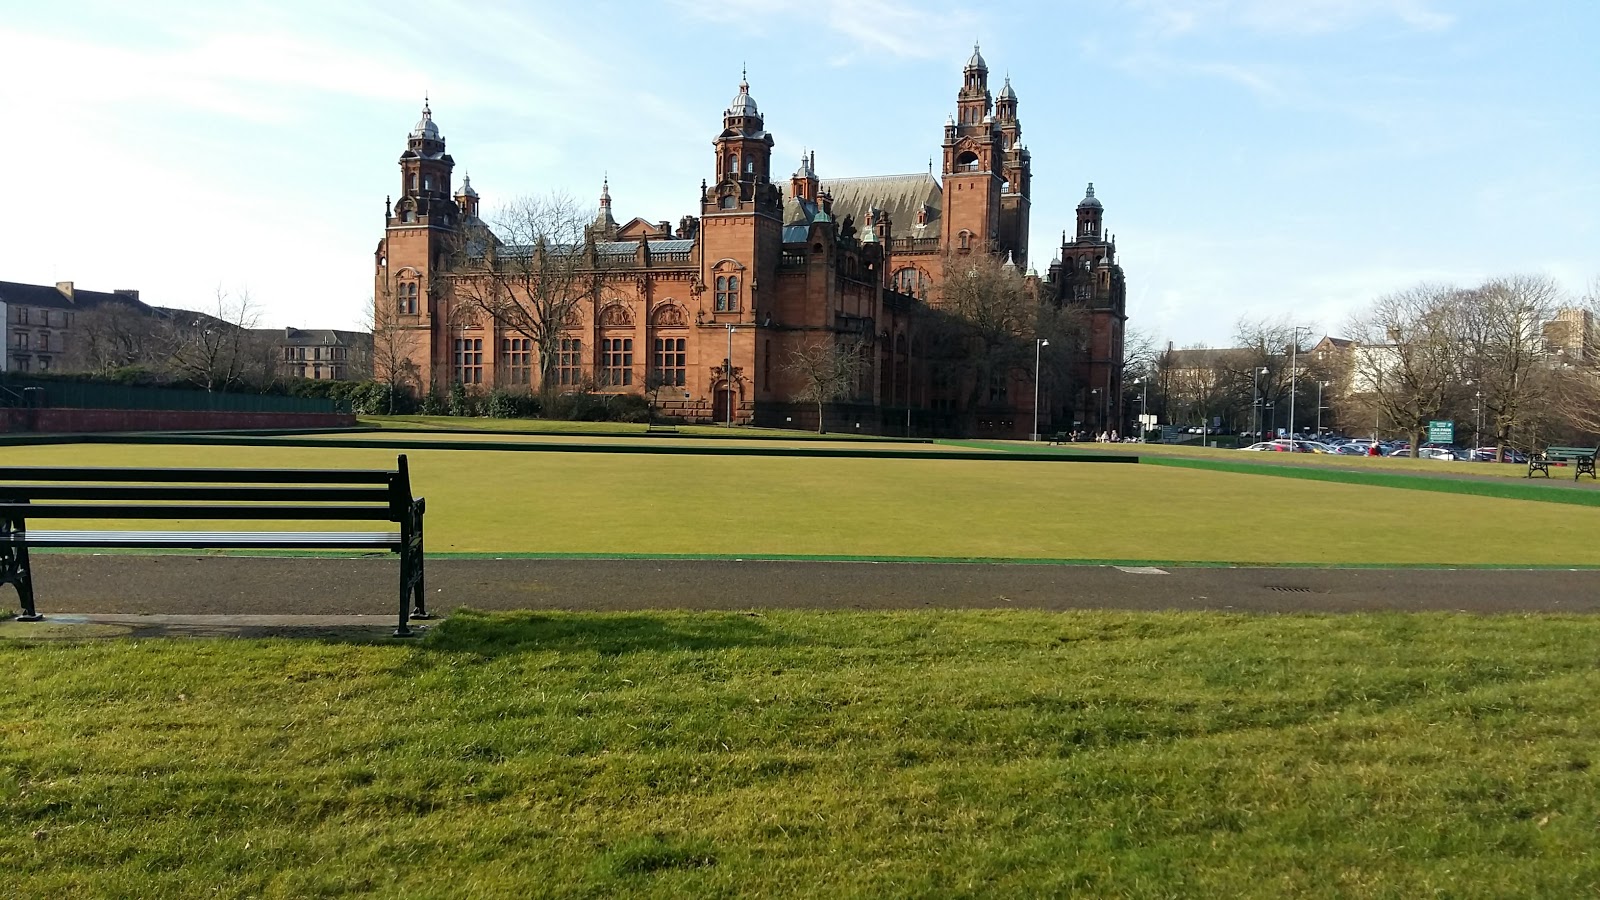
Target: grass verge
<point x="804" y="754"/>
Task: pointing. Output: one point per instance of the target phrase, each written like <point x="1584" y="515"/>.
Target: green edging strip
<point x="1499" y="489"/>
<point x="825" y="558"/>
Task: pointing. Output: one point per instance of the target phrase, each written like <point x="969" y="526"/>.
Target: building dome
<point x="975" y="61"/>
<point x="743" y="104"/>
<point x="1089" y="202"/>
<point x="1006" y="93"/>
<point x="425" y="127"/>
<point x="466" y="188"/>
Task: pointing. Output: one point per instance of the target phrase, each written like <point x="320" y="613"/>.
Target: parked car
<point x="1439" y="453"/>
<point x="1351" y="448"/>
<point x="1487" y="454"/>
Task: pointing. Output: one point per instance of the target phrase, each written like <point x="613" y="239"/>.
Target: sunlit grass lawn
<point x="805" y="754"/>
<point x="509" y="502"/>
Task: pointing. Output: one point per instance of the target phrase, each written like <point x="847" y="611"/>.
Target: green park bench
<point x="31" y="493"/>
<point x="1580" y="457"/>
<point x="1061" y="437"/>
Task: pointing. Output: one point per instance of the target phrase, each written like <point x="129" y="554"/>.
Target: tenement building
<point x="713" y="315"/>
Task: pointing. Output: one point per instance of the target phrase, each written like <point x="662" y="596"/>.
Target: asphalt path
<point x="215" y="585"/>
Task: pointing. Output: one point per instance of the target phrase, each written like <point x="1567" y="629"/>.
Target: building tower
<point x="972" y="165"/>
<point x="420" y="230"/>
<point x="467" y="199"/>
<point x="741" y="236"/>
<point x="1017" y="172"/>
<point x="1088" y="277"/>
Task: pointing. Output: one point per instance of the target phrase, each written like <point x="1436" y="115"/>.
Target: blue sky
<point x="1257" y="158"/>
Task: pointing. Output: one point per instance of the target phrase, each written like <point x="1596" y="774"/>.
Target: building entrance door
<point x="721" y="404"/>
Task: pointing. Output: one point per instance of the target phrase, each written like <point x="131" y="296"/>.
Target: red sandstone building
<point x="714" y="308"/>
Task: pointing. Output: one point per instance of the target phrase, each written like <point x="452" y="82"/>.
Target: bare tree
<point x="529" y="273"/>
<point x="390" y="359"/>
<point x="216" y="349"/>
<point x="990" y="319"/>
<point x="1409" y="356"/>
<point x="1575" y="377"/>
<point x="826" y="370"/>
<point x="1507" y="356"/>
<point x="115" y="336"/>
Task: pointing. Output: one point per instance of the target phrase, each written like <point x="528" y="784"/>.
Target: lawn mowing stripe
<point x="1498" y="489"/>
<point x="839" y="558"/>
<point x="1502" y="489"/>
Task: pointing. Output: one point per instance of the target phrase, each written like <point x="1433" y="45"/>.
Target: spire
<point x="605" y="227"/>
<point x="466" y="187"/>
<point x="1010" y="263"/>
<point x="1006" y="93"/>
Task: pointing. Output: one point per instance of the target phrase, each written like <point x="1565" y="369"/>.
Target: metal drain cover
<point x="1290" y="589"/>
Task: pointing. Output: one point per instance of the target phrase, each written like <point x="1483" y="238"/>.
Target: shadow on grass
<point x="608" y="634"/>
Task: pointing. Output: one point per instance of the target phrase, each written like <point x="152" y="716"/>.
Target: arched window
<point x="406" y="298"/>
<point x="966" y="240"/>
<point x="729" y="201"/>
<point x="967" y="162"/>
<point x="910" y="280"/>
<point x="727" y="293"/>
<point x="749" y="165"/>
<point x="413" y="181"/>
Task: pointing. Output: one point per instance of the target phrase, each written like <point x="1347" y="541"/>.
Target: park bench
<point x="1581" y="457"/>
<point x="260" y="495"/>
<point x="1061" y="437"/>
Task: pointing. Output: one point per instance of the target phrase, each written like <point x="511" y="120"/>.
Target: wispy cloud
<point x="896" y="28"/>
<point x="1286" y="17"/>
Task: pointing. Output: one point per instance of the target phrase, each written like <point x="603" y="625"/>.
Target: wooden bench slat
<point x="217" y="540"/>
<point x="213" y="511"/>
<point x="196" y="476"/>
<point x="175" y="493"/>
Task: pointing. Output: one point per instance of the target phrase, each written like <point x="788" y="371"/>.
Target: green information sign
<point x="1441" y="432"/>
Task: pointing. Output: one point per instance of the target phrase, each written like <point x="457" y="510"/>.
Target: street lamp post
<point x="1255" y="401"/>
<point x="1144" y="410"/>
<point x="1294" y="371"/>
<point x="1038" y="345"/>
<point x="728" y="382"/>
<point x="1477" y="425"/>
<point x="1320" y="386"/>
<point x="1094" y="401"/>
<point x="1272" y="420"/>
